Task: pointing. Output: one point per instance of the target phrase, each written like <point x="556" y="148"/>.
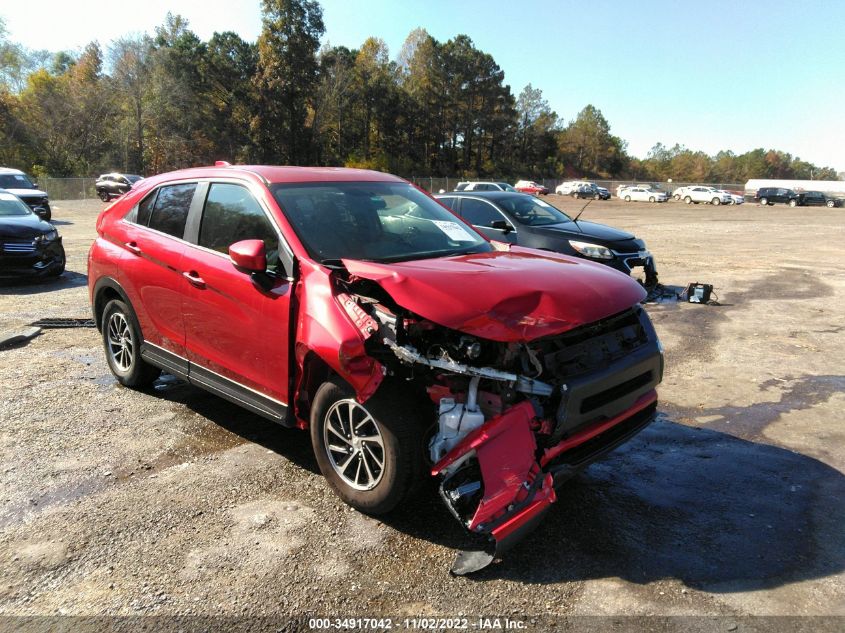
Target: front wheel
<point x="716" y="202"/>
<point x="122" y="341"/>
<point x="596" y="197"/>
<point x="651" y="199"/>
<point x="830" y="204"/>
<point x="793" y="203"/>
<point x="764" y="202"/>
<point x="371" y="453"/>
<point x="627" y="198"/>
<point x="677" y="196"/>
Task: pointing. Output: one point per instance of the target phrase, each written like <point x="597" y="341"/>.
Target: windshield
<point x="506" y="187"/>
<point x="10" y="205"/>
<point x="133" y="179"/>
<point x="531" y="211"/>
<point x="374" y="221"/>
<point x="15" y="181"/>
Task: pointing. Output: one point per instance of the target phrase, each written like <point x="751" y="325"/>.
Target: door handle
<point x="194" y="279"/>
<point x="133" y="248"/>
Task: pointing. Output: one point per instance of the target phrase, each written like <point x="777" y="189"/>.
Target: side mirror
<point x="502" y="225"/>
<point x="249" y="255"/>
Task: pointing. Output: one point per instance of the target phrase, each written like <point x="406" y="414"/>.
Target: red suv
<point x="352" y="304"/>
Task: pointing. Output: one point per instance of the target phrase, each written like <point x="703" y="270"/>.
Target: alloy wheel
<point x="354" y="444"/>
<point x="121" y="343"/>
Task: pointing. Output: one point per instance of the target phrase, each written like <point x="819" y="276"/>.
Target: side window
<point x="231" y="214"/>
<point x="449" y="202"/>
<point x="479" y="213"/>
<point x="145" y="209"/>
<point x="171" y="209"/>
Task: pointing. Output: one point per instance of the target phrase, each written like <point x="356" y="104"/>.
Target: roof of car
<point x="493" y="195"/>
<point x="9" y="170"/>
<point x="279" y="174"/>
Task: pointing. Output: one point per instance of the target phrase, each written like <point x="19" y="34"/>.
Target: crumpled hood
<point x="516" y="295"/>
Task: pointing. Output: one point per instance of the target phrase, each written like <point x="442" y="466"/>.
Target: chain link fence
<point x="68" y="188"/>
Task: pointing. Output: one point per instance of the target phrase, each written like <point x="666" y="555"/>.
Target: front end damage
<point x="511" y="418"/>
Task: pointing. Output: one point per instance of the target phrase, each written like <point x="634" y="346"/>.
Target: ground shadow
<point x="68" y="279"/>
<point x="61" y="222"/>
<point x="718" y="513"/>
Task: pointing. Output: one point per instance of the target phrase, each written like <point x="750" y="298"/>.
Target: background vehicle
<point x="641" y="194"/>
<point x="813" y="199"/>
<point x="709" y="195"/>
<point x="483" y="186"/>
<point x="529" y="186"/>
<point x="771" y="195"/>
<point x="736" y="198"/>
<point x="112" y="185"/>
<point x="411" y="331"/>
<point x="581" y="189"/>
<point x="29" y="246"/>
<point x="18" y="183"/>
<point x="522" y="219"/>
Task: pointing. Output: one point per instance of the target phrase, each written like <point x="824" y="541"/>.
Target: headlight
<point x="591" y="250"/>
<point x="48" y="237"/>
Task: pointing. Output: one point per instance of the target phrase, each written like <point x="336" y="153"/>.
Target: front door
<point x="481" y="214"/>
<point x="237" y="334"/>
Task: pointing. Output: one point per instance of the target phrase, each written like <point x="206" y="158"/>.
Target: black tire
<point x="627" y="198"/>
<point x="121" y="331"/>
<point x="830" y="204"/>
<point x="58" y="271"/>
<point x="716" y="202"/>
<point x="398" y="419"/>
<point x="677" y="196"/>
<point x="651" y="199"/>
<point x="104" y="195"/>
<point x="793" y="203"/>
<point x="688" y="200"/>
<point x="764" y="202"/>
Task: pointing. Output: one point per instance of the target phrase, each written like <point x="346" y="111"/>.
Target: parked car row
<point x="582" y="189"/>
<point x="771" y="195"/>
<point x="30" y="247"/>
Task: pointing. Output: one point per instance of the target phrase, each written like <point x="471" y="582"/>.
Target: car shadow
<point x="716" y="512"/>
<point x="67" y="279"/>
<point x="61" y="222"/>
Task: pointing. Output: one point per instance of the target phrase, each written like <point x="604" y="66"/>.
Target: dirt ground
<point x="732" y="503"/>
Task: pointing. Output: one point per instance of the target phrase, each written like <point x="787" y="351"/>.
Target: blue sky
<point x="709" y="75"/>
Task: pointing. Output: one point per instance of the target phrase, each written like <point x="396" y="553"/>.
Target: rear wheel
<point x="104" y="195"/>
<point x="830" y="204"/>
<point x="688" y="200"/>
<point x="122" y="341"/>
<point x="677" y="196"/>
<point x="764" y="201"/>
<point x="627" y="198"/>
<point x="596" y="197"/>
<point x="371" y="453"/>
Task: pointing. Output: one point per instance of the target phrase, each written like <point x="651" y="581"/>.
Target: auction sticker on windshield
<point x="454" y="231"/>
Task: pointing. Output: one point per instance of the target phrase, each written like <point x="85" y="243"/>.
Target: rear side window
<point x="231" y="214"/>
<point x="145" y="209"/>
<point x="449" y="202"/>
<point x="170" y="211"/>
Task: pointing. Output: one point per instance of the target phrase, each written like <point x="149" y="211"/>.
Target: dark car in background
<point x="113" y="185"/>
<point x="772" y="195"/>
<point x="814" y="199"/>
<point x="525" y="220"/>
<point x="17" y="183"/>
<point x="29" y="246"/>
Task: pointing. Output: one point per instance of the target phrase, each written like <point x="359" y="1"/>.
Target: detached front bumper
<point x="499" y="484"/>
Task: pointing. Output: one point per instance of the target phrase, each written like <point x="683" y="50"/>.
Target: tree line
<point x="152" y="103"/>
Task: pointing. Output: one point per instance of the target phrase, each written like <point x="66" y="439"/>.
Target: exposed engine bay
<point x="511" y="419"/>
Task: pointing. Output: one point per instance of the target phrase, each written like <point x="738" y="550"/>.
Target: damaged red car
<point x="352" y="304"/>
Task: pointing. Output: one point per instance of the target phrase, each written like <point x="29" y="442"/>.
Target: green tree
<point x="285" y="78"/>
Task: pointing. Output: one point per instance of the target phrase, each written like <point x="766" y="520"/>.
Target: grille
<point x="19" y="247"/>
<point x="593" y="346"/>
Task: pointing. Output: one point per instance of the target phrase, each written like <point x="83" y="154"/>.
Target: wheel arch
<point x="106" y="289"/>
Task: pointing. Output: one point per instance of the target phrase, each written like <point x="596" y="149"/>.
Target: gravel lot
<point x="114" y="502"/>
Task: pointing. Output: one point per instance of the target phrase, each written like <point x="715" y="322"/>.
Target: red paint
<point x="518" y="295"/>
<point x="249" y="255"/>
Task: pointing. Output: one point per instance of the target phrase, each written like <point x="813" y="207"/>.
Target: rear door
<point x="237" y="333"/>
<point x="150" y="273"/>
